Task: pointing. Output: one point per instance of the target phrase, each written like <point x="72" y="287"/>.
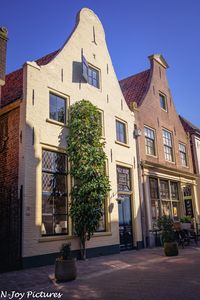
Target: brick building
<point x="194" y="134"/>
<point x="167" y="180"/>
<point x="34" y="110"/>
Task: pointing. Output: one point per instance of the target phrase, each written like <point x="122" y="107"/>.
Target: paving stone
<point x="146" y="274"/>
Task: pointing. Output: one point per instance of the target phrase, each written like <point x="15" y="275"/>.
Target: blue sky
<point x="134" y="30"/>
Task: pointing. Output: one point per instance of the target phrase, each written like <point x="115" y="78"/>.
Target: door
<point x="10" y="229"/>
<point x="125" y="223"/>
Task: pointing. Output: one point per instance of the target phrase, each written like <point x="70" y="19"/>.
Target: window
<point x="121" y="132"/>
<point x="149" y="141"/>
<point x="54" y="193"/>
<point x="153" y="183"/>
<point x="164" y="189"/>
<point x="102" y="222"/>
<point x="93" y="77"/>
<point x="90" y="74"/>
<point x="183" y="155"/>
<point x="167" y="141"/>
<point x="163" y="102"/>
<point x="164" y="198"/>
<point x="57" y="108"/>
<point x="123" y="179"/>
<point x="175" y="200"/>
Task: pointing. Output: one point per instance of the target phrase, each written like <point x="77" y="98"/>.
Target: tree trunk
<point x="83" y="248"/>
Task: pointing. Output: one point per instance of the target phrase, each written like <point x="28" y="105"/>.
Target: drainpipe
<point x="137" y="134"/>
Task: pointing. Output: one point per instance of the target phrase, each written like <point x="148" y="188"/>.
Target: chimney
<point x="3" y="46"/>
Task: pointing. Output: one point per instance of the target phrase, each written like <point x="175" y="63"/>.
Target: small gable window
<point x="93" y="77"/>
<point x="90" y="74"/>
<point x="163" y="102"/>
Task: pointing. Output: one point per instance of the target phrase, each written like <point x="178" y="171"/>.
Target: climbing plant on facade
<point x="87" y="168"/>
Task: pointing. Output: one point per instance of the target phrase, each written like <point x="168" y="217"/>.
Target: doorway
<point x="125" y="223"/>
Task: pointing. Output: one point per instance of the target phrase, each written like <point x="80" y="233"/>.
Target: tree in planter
<point x="87" y="158"/>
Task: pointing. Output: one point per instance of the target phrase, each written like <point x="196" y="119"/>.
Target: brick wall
<point x="3" y="46"/>
<point x="151" y="114"/>
<point x="9" y="149"/>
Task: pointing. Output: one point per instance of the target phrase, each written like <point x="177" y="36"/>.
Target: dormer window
<point x="163" y="102"/>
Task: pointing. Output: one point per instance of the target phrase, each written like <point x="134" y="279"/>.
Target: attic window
<point x="90" y="74"/>
<point x="163" y="102"/>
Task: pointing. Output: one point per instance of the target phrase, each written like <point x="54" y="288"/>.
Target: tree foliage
<point x="88" y="159"/>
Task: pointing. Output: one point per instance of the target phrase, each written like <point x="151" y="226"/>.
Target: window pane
<point x="163" y="102"/>
<point x="164" y="189"/>
<point x="61" y="110"/>
<point x="167" y="141"/>
<point x="149" y="141"/>
<point x="53" y="107"/>
<point x="155" y="209"/>
<point x="93" y="77"/>
<point x="176" y="210"/>
<point x="153" y="182"/>
<point x="54" y="162"/>
<point x="123" y="179"/>
<point x="174" y="190"/>
<point x="47" y="225"/>
<point x="102" y="222"/>
<point x="166" y="208"/>
<point x="54" y="193"/>
<point x="121" y="132"/>
<point x="57" y="108"/>
<point x="183" y="156"/>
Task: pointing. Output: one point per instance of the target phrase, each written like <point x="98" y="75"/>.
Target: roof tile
<point x="134" y="87"/>
<point x="13" y="88"/>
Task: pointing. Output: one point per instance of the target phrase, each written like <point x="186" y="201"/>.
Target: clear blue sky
<point x="134" y="29"/>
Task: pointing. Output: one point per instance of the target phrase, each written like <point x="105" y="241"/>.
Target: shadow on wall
<point x="76" y="71"/>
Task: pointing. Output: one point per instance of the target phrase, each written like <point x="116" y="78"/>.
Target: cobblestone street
<point x="144" y="274"/>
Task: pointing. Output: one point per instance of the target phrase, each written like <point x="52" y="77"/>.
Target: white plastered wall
<point x="52" y="136"/>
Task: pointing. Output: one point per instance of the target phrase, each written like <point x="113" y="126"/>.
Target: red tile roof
<point x="135" y="87"/>
<point x="189" y="127"/>
<point x="13" y="88"/>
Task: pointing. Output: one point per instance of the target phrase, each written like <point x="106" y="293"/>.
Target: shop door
<point x="125" y="223"/>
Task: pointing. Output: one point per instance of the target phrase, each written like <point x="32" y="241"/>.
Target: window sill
<point x="151" y="155"/>
<point x="186" y="167"/>
<point x="122" y="144"/>
<point x="102" y="233"/>
<point x="44" y="239"/>
<point x="55" y="238"/>
<point x="56" y="122"/>
<point x="171" y="162"/>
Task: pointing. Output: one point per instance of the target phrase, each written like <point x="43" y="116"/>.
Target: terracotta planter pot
<point x="65" y="270"/>
<point x="171" y="248"/>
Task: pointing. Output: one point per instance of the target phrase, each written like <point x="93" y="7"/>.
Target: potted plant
<point x="186" y="222"/>
<point x="65" y="265"/>
<point x="165" y="223"/>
